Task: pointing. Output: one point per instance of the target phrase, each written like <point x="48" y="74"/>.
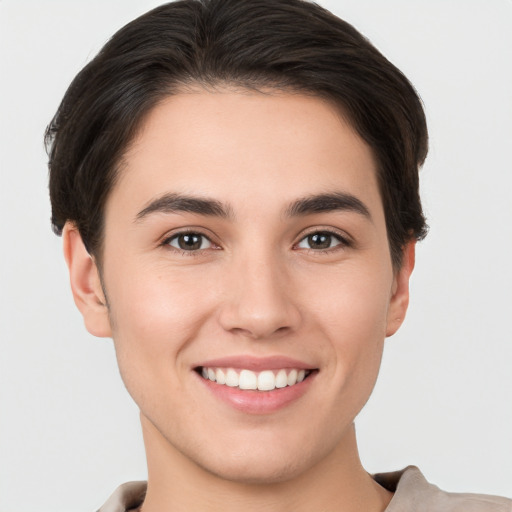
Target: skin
<point x="257" y="287"/>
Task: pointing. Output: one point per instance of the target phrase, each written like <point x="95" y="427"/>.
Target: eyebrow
<point x="177" y="203"/>
<point x="326" y="203"/>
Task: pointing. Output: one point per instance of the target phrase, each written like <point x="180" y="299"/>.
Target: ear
<point x="400" y="290"/>
<point x="85" y="283"/>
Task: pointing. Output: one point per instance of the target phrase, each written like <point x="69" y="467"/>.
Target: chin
<point x="258" y="470"/>
<point x="266" y="459"/>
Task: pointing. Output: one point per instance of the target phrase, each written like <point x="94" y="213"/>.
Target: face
<point x="245" y="247"/>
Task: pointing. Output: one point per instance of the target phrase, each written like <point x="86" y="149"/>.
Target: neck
<point x="337" y="482"/>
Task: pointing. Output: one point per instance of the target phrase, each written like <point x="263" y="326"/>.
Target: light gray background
<point x="68" y="431"/>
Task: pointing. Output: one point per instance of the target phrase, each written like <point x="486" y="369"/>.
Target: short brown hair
<point x="290" y="45"/>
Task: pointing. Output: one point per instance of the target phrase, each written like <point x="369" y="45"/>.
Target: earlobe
<point x="400" y="292"/>
<point x="85" y="283"/>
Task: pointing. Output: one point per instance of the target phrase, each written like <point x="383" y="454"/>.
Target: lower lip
<point x="259" y="402"/>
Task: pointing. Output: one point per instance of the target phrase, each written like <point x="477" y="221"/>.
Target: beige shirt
<point x="412" y="494"/>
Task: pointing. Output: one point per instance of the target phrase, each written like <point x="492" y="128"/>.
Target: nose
<point x="260" y="299"/>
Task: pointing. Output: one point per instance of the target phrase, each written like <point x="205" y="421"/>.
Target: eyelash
<point x="190" y="252"/>
<point x="343" y="242"/>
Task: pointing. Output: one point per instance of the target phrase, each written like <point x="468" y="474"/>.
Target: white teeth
<point x="292" y="378"/>
<point x="248" y="380"/>
<point x="281" y="379"/>
<point x="231" y="378"/>
<point x="266" y="380"/>
<point x="220" y="376"/>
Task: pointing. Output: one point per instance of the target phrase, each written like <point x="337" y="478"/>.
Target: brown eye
<point x="190" y="242"/>
<point x="320" y="240"/>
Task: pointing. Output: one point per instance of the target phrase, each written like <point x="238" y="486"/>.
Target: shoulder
<point x="414" y="494"/>
<point x="126" y="497"/>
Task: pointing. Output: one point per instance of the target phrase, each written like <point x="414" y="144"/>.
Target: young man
<point x="236" y="183"/>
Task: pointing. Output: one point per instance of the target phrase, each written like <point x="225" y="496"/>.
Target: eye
<point x="321" y="240"/>
<point x="189" y="242"/>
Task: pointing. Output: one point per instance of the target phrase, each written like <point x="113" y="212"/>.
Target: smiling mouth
<point x="266" y="380"/>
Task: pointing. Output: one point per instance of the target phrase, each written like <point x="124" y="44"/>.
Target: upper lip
<point x="256" y="363"/>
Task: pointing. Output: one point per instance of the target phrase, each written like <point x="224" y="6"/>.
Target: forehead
<point x="238" y="145"/>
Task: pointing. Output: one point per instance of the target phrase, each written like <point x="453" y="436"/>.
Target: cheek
<point x="352" y="314"/>
<point x="155" y="315"/>
<point x="157" y="303"/>
<point x="352" y="303"/>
